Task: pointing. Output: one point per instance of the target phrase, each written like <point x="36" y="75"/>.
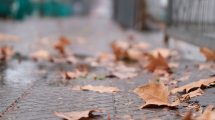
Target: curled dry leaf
<point x="77" y="115"/>
<point x="195" y="93"/>
<point x="200" y="83"/>
<point x="201" y="67"/>
<point x="128" y="117"/>
<point x="135" y="54"/>
<point x="100" y="89"/>
<point x="119" y="48"/>
<point x="209" y="54"/>
<point x="126" y="75"/>
<point x="140" y="46"/>
<point x="6" y="37"/>
<point x="163" y="51"/>
<point x="40" y="54"/>
<point x="188" y="116"/>
<point x="72" y="59"/>
<point x="6" y="52"/>
<point x="155" y="95"/>
<point x="158" y="63"/>
<point x="77" y="72"/>
<point x="61" y="44"/>
<point x="183" y="78"/>
<point x="173" y="65"/>
<point x="122" y="68"/>
<point x="207" y="115"/>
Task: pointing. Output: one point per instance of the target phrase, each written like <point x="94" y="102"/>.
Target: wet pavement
<point x="26" y="94"/>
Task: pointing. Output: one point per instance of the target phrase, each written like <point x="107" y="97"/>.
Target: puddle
<point x="13" y="73"/>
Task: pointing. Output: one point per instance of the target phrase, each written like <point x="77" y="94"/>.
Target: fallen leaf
<point x="40" y="54"/>
<point x="159" y="72"/>
<point x="128" y="117"/>
<point x="163" y="51"/>
<point x="61" y="44"/>
<point x="202" y="66"/>
<point x="195" y="93"/>
<point x="188" y="116"/>
<point x="6" y="52"/>
<point x="200" y="83"/>
<point x="183" y="78"/>
<point x="100" y="89"/>
<point x="76" y="115"/>
<point x="126" y="75"/>
<point x="134" y="54"/>
<point x="173" y="65"/>
<point x="158" y="63"/>
<point x="72" y="59"/>
<point x="140" y="46"/>
<point x="6" y="37"/>
<point x="209" y="54"/>
<point x="77" y="72"/>
<point x="122" y="68"/>
<point x="155" y="95"/>
<point x="119" y="48"/>
<point x="208" y="114"/>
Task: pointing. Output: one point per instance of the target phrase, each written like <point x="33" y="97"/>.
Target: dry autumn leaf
<point x="207" y="115"/>
<point x="195" y="93"/>
<point x="128" y="117"/>
<point x="126" y="75"/>
<point x="134" y="54"/>
<point x="158" y="63"/>
<point x="155" y="95"/>
<point x="188" y="116"/>
<point x="40" y="54"/>
<point x="77" y="115"/>
<point x="163" y="51"/>
<point x="140" y="46"/>
<point x="77" y="72"/>
<point x="6" y="52"/>
<point x="122" y="68"/>
<point x="119" y="48"/>
<point x="183" y="78"/>
<point x="100" y="89"/>
<point x="202" y="66"/>
<point x="200" y="83"/>
<point x="61" y="44"/>
<point x="209" y="54"/>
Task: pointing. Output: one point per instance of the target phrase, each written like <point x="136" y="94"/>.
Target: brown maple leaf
<point x="77" y="72"/>
<point x="158" y="63"/>
<point x="77" y="115"/>
<point x="155" y="95"/>
<point x="100" y="89"/>
<point x="200" y="83"/>
<point x="126" y="75"/>
<point x="209" y="54"/>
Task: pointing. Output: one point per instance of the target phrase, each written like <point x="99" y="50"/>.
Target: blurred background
<point x="189" y="20"/>
<point x="138" y="14"/>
